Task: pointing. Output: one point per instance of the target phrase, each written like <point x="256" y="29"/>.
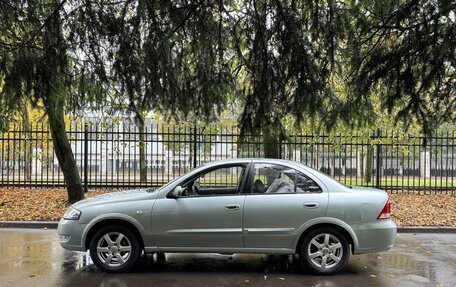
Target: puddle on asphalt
<point x="415" y="261"/>
<point x="388" y="264"/>
<point x="79" y="261"/>
<point x="387" y="268"/>
<point x="83" y="259"/>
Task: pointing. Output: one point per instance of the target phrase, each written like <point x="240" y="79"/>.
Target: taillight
<point x="386" y="211"/>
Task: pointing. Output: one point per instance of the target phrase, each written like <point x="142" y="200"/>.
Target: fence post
<point x="194" y="145"/>
<point x="86" y="156"/>
<point x="378" y="162"/>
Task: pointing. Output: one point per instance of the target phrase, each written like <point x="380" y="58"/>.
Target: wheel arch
<point x="334" y="223"/>
<point x="108" y="219"/>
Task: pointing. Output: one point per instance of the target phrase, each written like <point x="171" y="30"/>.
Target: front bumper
<point x="71" y="234"/>
<point x="376" y="237"/>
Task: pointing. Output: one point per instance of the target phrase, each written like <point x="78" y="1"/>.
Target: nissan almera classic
<point x="234" y="206"/>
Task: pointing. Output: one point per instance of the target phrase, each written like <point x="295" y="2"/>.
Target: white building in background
<point x="115" y="149"/>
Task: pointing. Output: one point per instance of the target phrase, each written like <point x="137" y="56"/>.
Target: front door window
<point x="221" y="181"/>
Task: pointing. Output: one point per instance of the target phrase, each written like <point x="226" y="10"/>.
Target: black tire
<point x="333" y="266"/>
<point x="129" y="237"/>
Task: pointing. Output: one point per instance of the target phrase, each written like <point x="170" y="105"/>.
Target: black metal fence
<point x="111" y="155"/>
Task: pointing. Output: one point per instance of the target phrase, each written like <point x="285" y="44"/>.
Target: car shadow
<point x="210" y="262"/>
<point x="195" y="269"/>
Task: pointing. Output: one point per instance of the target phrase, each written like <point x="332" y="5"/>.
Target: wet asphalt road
<point x="35" y="258"/>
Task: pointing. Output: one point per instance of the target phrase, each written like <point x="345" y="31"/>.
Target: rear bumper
<point x="376" y="237"/>
<point x="70" y="234"/>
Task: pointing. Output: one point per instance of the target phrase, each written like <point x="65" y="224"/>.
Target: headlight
<point x="72" y="213"/>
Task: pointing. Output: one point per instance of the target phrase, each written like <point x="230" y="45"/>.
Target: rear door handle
<point x="312" y="204"/>
<point x="233" y="206"/>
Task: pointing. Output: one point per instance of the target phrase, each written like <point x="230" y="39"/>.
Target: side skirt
<point x="220" y="250"/>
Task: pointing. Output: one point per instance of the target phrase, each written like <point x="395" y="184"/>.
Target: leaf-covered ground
<point x="26" y="204"/>
<point x="423" y="209"/>
<point x="50" y="204"/>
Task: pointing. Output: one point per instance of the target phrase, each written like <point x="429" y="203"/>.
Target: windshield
<point x="155" y="189"/>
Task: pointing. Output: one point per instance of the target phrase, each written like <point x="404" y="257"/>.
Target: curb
<point x="53" y="225"/>
<point x="427" y="229"/>
<point x="29" y="224"/>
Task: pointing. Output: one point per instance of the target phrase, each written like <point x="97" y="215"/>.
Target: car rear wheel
<point x="324" y="251"/>
<point x="115" y="248"/>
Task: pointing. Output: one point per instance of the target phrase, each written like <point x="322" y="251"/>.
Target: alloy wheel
<point x="114" y="249"/>
<point x="325" y="251"/>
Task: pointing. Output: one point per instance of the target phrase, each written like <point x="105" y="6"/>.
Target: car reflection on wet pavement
<point x="35" y="258"/>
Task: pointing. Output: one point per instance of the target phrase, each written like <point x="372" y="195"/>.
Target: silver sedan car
<point x="234" y="206"/>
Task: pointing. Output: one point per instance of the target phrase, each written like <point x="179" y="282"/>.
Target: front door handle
<point x="233" y="206"/>
<point x="312" y="204"/>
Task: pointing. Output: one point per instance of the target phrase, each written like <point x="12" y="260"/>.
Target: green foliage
<point x="333" y="65"/>
<point x="405" y="53"/>
<point x="35" y="67"/>
<point x="166" y="56"/>
<point x="39" y="63"/>
<point x="287" y="51"/>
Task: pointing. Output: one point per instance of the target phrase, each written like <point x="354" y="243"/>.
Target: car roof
<point x="246" y="160"/>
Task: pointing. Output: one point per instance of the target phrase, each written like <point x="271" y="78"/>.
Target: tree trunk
<point x="271" y="142"/>
<point x="62" y="149"/>
<point x="54" y="92"/>
<point x="26" y="127"/>
<point x="142" y="148"/>
<point x="369" y="166"/>
<point x="360" y="164"/>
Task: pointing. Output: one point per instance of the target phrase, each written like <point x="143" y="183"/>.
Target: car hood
<point x="120" y="196"/>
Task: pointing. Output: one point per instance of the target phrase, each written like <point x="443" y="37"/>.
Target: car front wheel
<point x="115" y="249"/>
<point x="324" y="251"/>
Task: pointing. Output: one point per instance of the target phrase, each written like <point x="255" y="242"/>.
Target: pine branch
<point x="187" y="17"/>
<point x="35" y="34"/>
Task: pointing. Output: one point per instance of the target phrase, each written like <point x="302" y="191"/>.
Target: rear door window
<point x="275" y="178"/>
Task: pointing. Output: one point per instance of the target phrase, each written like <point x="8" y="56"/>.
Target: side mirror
<point x="177" y="192"/>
